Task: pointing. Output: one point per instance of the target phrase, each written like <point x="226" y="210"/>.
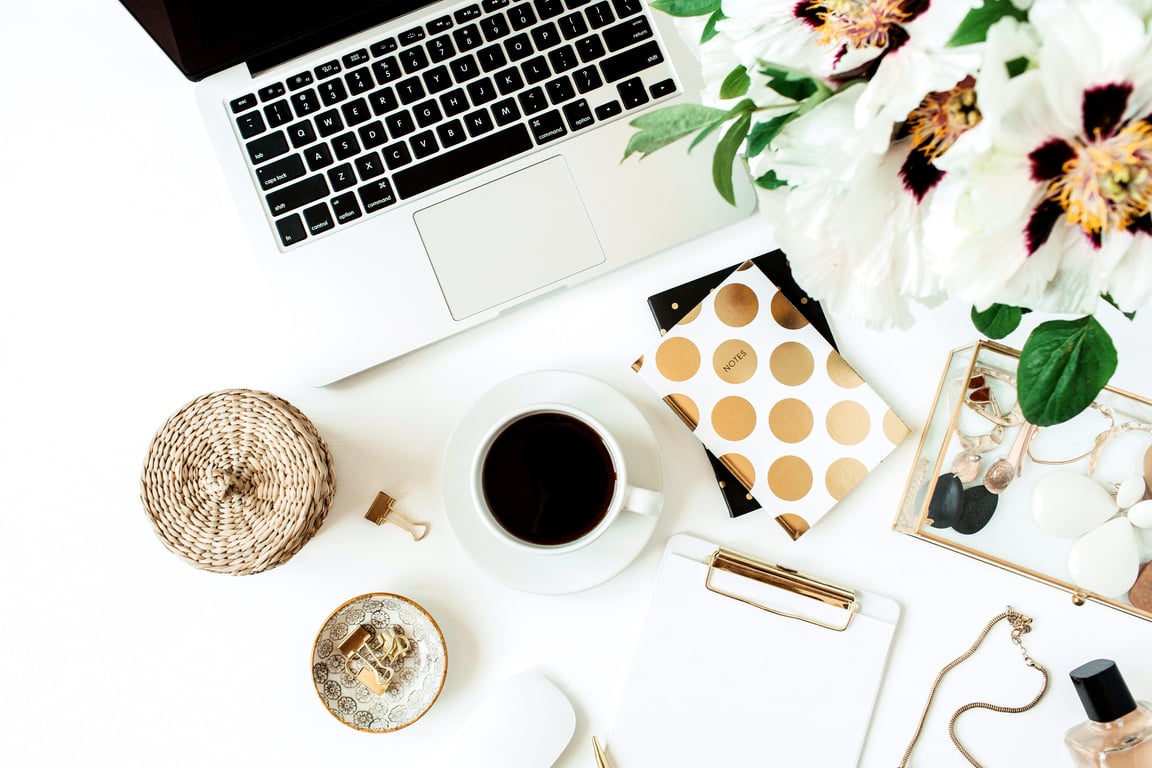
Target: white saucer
<point x="552" y="574"/>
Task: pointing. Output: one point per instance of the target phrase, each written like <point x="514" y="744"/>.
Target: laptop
<point x="407" y="170"/>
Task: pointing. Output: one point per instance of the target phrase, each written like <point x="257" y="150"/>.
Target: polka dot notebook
<point x="771" y="399"/>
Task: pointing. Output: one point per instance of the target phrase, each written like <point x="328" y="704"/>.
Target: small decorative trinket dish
<point x="379" y="662"/>
<point x="1068" y="505"/>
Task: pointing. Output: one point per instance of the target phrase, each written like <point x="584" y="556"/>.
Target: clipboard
<point x="743" y="662"/>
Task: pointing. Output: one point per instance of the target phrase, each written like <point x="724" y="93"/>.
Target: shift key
<point x="298" y="194"/>
<point x="631" y="61"/>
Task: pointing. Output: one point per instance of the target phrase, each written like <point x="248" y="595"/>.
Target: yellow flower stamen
<point x="1108" y="183"/>
<point x="942" y="117"/>
<point x="857" y="23"/>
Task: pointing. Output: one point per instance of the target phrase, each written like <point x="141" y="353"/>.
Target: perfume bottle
<point x="1118" y="733"/>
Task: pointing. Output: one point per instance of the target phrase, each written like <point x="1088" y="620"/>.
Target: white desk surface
<point x="129" y="291"/>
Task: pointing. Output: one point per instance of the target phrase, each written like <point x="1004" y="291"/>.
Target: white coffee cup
<point x="551" y="478"/>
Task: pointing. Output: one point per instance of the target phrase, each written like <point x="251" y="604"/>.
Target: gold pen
<point x="601" y="758"/>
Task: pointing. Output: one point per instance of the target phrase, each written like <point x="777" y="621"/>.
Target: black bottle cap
<point x="1102" y="690"/>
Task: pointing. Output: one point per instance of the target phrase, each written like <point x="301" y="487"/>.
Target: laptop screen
<point x="205" y="36"/>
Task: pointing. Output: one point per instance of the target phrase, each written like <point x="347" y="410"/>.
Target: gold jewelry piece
<point x="1005" y="470"/>
<point x="966" y="465"/>
<point x="1021" y="625"/>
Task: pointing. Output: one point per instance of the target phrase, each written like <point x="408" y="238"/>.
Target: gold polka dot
<point x="795" y="525"/>
<point x="741" y="467"/>
<point x="675" y="305"/>
<point x="733" y="418"/>
<point x="684" y="407"/>
<point x="746" y="266"/>
<point x="734" y="361"/>
<point x="785" y="313"/>
<point x="736" y="305"/>
<point x="894" y="428"/>
<point x="677" y="358"/>
<point x="692" y="315"/>
<point x="791" y="363"/>
<point x="790" y="420"/>
<point x="842" y="476"/>
<point x="841" y="373"/>
<point x="848" y="422"/>
<point x="790" y="478"/>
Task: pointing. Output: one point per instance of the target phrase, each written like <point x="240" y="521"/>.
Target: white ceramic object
<point x="1131" y="491"/>
<point x="1070" y="504"/>
<point x="1105" y="560"/>
<point x="1140" y="514"/>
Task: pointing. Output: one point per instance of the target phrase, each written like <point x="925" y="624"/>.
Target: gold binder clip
<point x="382" y="512"/>
<point x="783" y="578"/>
<point x="374" y="673"/>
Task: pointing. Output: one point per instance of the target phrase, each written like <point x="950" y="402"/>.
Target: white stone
<point x="1140" y="514"/>
<point x="1130" y="491"/>
<point x="1070" y="504"/>
<point x="1105" y="560"/>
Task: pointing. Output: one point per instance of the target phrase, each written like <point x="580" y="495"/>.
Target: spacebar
<point x="461" y="162"/>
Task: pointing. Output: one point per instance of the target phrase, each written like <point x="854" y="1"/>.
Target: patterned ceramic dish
<point x="417" y="677"/>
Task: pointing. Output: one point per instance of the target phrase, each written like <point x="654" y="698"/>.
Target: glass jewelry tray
<point x="1068" y="505"/>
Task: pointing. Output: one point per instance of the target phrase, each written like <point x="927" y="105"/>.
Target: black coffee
<point x="548" y="478"/>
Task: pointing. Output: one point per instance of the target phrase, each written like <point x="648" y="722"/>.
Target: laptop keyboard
<point x="409" y="113"/>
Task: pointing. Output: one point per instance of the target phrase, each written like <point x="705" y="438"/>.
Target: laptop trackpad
<point x="509" y="237"/>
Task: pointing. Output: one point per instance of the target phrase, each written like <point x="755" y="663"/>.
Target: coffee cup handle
<point x="642" y="500"/>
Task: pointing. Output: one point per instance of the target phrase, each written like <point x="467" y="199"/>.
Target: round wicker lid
<point x="237" y="481"/>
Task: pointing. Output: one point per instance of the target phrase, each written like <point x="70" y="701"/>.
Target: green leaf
<point x="771" y="181"/>
<point x="726" y="155"/>
<point x="1108" y="298"/>
<point x="710" y="27"/>
<point x="736" y="83"/>
<point x="661" y="127"/>
<point x="686" y="8"/>
<point x="746" y="106"/>
<point x="789" y="83"/>
<point x="974" y="28"/>
<point x="1017" y="66"/>
<point x="763" y="133"/>
<point x="997" y="321"/>
<point x="1063" y="366"/>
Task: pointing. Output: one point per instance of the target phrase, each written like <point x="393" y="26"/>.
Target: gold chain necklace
<point x="1021" y="625"/>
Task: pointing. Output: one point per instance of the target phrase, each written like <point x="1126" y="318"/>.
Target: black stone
<point x="978" y="507"/>
<point x="947" y="501"/>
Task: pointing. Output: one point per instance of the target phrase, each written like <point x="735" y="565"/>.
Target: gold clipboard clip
<point x="783" y="578"/>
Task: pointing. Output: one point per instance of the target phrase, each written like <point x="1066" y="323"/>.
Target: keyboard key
<point x="345" y="146"/>
<point x="284" y="199"/>
<point x="427" y="113"/>
<point x="505" y="111"/>
<point x="599" y="15"/>
<point x="290" y="229"/>
<point x="301" y="134"/>
<point x="624" y="35"/>
<point x="521" y="16"/>
<point x="355" y="59"/>
<point x="372" y="135"/>
<point x="545" y="36"/>
<point x="611" y="109"/>
<point x="478" y="122"/>
<point x="587" y="79"/>
<point x="441" y="48"/>
<point x="578" y="115"/>
<point x="493" y="5"/>
<point x="549" y="8"/>
<point x="437" y="79"/>
<point x="356" y="112"/>
<point x="296" y="82"/>
<point x="468" y="38"/>
<point x="399" y="124"/>
<point x="359" y="81"/>
<point x="625" y="8"/>
<point x="590" y="48"/>
<point x="536" y="69"/>
<point x="342" y="177"/>
<point x="410" y="90"/>
<point x="454" y="102"/>
<point x="318" y="219"/>
<point x="414" y="35"/>
<point x="267" y="147"/>
<point x="280" y="172"/>
<point x="423" y="144"/>
<point x="509" y="81"/>
<point x="250" y="124"/>
<point x="328" y="123"/>
<point x="397" y="155"/>
<point x="632" y="93"/>
<point x="369" y="166"/>
<point x="562" y="59"/>
<point x="332" y="92"/>
<point x="386" y="70"/>
<point x="572" y="25"/>
<point x="532" y="101"/>
<point x="277" y="113"/>
<point x="518" y="47"/>
<point x="560" y="90"/>
<point x="440" y="24"/>
<point x="376" y="195"/>
<point x="451" y="133"/>
<point x="318" y="157"/>
<point x="491" y="58"/>
<point x="328" y="69"/>
<point x="449" y="166"/>
<point x="383" y="101"/>
<point x="274" y="91"/>
<point x="631" y="61"/>
<point x="241" y="103"/>
<point x="413" y="59"/>
<point x="464" y="68"/>
<point x="481" y="91"/>
<point x="467" y="13"/>
<point x="346" y="208"/>
<point x="547" y="127"/>
<point x="494" y="27"/>
<point x="662" y="88"/>
<point x="386" y="45"/>
<point x="305" y="103"/>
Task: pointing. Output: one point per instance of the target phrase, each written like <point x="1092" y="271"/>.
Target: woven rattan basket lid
<point x="237" y="481"/>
